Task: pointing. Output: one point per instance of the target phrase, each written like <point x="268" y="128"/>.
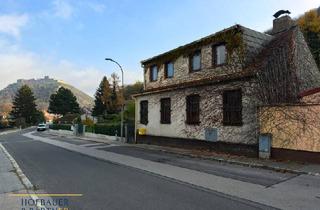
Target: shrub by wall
<point x="89" y="129"/>
<point x="107" y="129"/>
<point x="60" y="127"/>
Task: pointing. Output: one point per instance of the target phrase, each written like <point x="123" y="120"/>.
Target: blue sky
<point x="69" y="39"/>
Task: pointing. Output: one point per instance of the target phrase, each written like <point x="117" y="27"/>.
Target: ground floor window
<point x="232" y="107"/>
<point x="144" y="112"/>
<point x="165" y="111"/>
<point x="193" y="109"/>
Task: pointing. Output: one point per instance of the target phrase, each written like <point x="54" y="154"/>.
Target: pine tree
<point x="102" y="100"/>
<point x="24" y="106"/>
<point x="63" y="102"/>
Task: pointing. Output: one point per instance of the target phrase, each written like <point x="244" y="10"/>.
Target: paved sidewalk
<point x="282" y="166"/>
<point x="9" y="131"/>
<point x="9" y="183"/>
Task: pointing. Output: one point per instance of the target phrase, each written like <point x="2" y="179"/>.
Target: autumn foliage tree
<point x="108" y="97"/>
<point x="310" y="26"/>
<point x="116" y="94"/>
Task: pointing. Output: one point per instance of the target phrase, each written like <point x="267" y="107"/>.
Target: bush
<point x="109" y="118"/>
<point x="108" y="129"/>
<point x="4" y="124"/>
<point x="90" y="129"/>
<point x="66" y="119"/>
<point x="88" y="122"/>
<point x="60" y="127"/>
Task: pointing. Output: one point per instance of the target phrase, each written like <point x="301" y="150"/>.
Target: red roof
<point x="309" y="92"/>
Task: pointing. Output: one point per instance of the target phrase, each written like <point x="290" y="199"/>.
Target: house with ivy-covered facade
<point x="207" y="93"/>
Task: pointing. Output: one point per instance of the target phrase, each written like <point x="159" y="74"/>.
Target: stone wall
<point x="211" y="114"/>
<point x="294" y="127"/>
<point x="311" y="99"/>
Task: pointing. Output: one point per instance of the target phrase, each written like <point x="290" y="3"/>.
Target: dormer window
<point x="219" y="55"/>
<point x="195" y="61"/>
<point x="169" y="70"/>
<point x="153" y="73"/>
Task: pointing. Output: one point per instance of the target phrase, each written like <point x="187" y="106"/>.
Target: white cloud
<point x="12" y="24"/>
<point x="97" y="7"/>
<point x="18" y="64"/>
<point x="62" y="9"/>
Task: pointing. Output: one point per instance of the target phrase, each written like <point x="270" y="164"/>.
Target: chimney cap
<point x="281" y="12"/>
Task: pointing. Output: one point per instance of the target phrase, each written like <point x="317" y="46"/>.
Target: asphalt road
<point x="109" y="186"/>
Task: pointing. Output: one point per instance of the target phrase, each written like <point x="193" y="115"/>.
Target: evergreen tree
<point x="24" y="106"/>
<point x="102" y="100"/>
<point x="63" y="102"/>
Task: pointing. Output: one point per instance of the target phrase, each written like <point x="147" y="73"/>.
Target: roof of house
<point x="309" y="92"/>
<point x="253" y="39"/>
<point x="261" y="50"/>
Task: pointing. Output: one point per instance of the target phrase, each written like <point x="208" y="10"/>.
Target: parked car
<point x="41" y="127"/>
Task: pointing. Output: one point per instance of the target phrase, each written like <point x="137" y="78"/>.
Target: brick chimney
<point x="281" y="24"/>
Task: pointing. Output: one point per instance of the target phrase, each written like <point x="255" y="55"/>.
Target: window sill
<point x="193" y="71"/>
<point x="193" y="123"/>
<point x="232" y="124"/>
<point x="219" y="65"/>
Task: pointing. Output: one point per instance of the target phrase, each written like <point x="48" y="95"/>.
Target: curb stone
<point x="241" y="163"/>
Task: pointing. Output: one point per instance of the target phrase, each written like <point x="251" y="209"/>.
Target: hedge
<point x="60" y="127"/>
<point x="107" y="129"/>
<point x="89" y="129"/>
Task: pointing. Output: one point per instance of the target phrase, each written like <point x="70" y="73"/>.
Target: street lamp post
<point x="122" y="105"/>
